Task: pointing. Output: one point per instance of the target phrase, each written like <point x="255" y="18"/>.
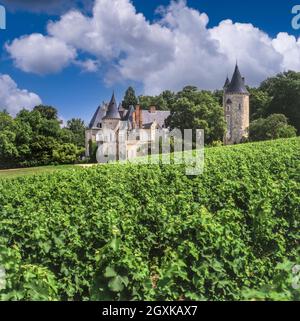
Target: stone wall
<point x="236" y="109"/>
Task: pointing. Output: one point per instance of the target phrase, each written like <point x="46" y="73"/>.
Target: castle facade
<point x="139" y="127"/>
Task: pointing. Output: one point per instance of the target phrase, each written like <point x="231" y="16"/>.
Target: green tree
<point x="66" y="153"/>
<point x="36" y="138"/>
<point x="259" y="103"/>
<point x="219" y="96"/>
<point x="273" y="127"/>
<point x="129" y="98"/>
<point x="47" y="112"/>
<point x="284" y="90"/>
<point x="195" y="109"/>
<point x="146" y="101"/>
<point x="8" y="149"/>
<point x="163" y="101"/>
<point x="77" y="127"/>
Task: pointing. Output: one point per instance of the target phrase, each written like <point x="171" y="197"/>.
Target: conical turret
<point x="237" y="84"/>
<point x="227" y="83"/>
<point x="112" y="110"/>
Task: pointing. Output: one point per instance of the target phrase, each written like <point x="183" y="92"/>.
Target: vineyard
<point x="149" y="232"/>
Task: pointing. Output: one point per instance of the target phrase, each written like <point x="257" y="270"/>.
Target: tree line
<point x="37" y="137"/>
<point x="274" y="108"/>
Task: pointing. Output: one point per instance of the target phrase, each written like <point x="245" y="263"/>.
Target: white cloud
<point x="14" y="99"/>
<point x="88" y="65"/>
<point x="289" y="47"/>
<point x="40" y="54"/>
<point x="176" y="50"/>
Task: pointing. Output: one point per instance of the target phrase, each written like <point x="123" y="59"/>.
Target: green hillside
<point x="149" y="232"/>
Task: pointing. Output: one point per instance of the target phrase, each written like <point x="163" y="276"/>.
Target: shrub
<point x="273" y="127"/>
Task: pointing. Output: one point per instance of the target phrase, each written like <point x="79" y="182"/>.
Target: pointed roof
<point x="128" y="116"/>
<point x="237" y="84"/>
<point x="97" y="118"/>
<point x="227" y="82"/>
<point x="112" y="110"/>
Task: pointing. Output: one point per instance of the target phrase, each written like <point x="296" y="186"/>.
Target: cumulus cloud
<point x="40" y="54"/>
<point x="13" y="99"/>
<point x="289" y="47"/>
<point x="175" y="50"/>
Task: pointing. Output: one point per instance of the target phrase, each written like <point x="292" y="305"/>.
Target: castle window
<point x="99" y="125"/>
<point x="228" y="108"/>
<point x="240" y="107"/>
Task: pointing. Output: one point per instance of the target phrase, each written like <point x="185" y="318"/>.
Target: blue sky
<point x="77" y="93"/>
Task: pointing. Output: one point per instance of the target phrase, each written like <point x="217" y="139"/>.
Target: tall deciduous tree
<point x="284" y="90"/>
<point x="195" y="109"/>
<point x="36" y="138"/>
<point x="48" y="112"/>
<point x="259" y="103"/>
<point x="163" y="101"/>
<point x="77" y="127"/>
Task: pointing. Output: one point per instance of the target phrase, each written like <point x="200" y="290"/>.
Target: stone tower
<point x="236" y="109"/>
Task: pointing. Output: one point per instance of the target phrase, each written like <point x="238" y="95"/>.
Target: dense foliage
<point x="275" y="95"/>
<point x="273" y="127"/>
<point x="194" y="109"/>
<point x="35" y="138"/>
<point x="284" y="93"/>
<point x="163" y="101"/>
<point x="151" y="232"/>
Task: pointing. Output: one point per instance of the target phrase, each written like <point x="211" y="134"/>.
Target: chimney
<point x="134" y="118"/>
<point x="152" y="109"/>
<point x="137" y="115"/>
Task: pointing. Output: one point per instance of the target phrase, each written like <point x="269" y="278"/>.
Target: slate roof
<point x="112" y="109"/>
<point x="227" y="83"/>
<point x="98" y="116"/>
<point x="237" y="84"/>
<point x="129" y="113"/>
<point x="159" y="116"/>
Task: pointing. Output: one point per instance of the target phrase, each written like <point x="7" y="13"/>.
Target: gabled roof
<point x="237" y="84"/>
<point x="112" y="110"/>
<point x="97" y="118"/>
